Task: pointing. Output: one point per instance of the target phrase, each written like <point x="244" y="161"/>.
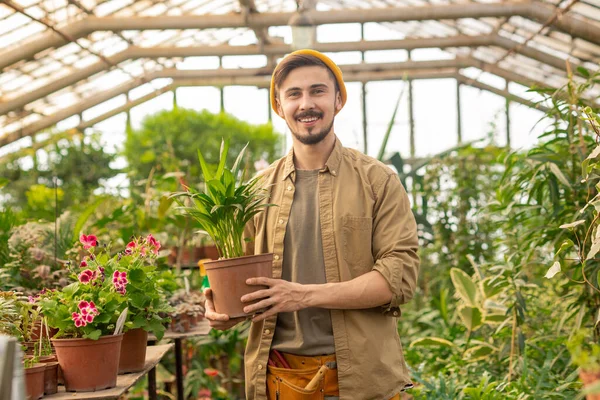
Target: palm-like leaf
<point x="226" y="205"/>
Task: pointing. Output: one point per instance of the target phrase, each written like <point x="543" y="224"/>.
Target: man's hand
<point x="217" y="321"/>
<point x="281" y="296"/>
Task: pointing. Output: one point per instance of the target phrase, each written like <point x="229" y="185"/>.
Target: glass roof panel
<point x="53" y="64"/>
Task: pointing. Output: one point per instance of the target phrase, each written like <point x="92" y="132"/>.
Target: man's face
<point x="308" y="103"/>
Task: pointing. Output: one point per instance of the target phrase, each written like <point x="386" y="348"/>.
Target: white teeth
<point x="308" y="119"/>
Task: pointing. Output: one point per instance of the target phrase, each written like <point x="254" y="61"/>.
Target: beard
<point x="311" y="138"/>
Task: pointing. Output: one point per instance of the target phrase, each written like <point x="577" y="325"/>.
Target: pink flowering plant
<point x="104" y="284"/>
<point x="141" y="280"/>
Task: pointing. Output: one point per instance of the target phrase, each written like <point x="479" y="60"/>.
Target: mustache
<point x="309" y="114"/>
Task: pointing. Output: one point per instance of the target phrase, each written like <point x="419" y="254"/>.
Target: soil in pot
<point x="51" y="378"/>
<point x="34" y="381"/>
<point x="228" y="281"/>
<point x="590" y="378"/>
<point x="89" y="365"/>
<point x="133" y="351"/>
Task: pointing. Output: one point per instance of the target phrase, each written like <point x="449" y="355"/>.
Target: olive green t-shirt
<point x="307" y="332"/>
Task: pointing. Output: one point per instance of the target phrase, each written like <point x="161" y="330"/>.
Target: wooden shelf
<point x="199" y="330"/>
<point x="153" y="356"/>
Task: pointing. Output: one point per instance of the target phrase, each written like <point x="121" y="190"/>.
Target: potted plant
<point x="9" y="314"/>
<point x="44" y="352"/>
<point x="85" y="313"/>
<point x="586" y="355"/>
<point x="29" y="318"/>
<point x="223" y="209"/>
<point x="147" y="303"/>
<point x="34" y="378"/>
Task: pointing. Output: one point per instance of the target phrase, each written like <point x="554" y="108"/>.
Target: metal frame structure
<point x="59" y="58"/>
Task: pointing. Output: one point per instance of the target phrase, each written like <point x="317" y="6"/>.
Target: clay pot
<point x="211" y="252"/>
<point x="34" y="381"/>
<point x="89" y="365"/>
<point x="51" y="378"/>
<point x="589" y="378"/>
<point x="192" y="319"/>
<point x="228" y="281"/>
<point x="185" y="323"/>
<point x="47" y="359"/>
<point x="133" y="351"/>
<point x="37" y="328"/>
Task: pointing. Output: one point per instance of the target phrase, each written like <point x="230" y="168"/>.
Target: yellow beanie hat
<point x="337" y="72"/>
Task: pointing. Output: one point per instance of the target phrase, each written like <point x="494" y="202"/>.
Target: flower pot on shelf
<point x="51" y="378"/>
<point x="211" y="252"/>
<point x="590" y="378"/>
<point x="192" y="319"/>
<point x="34" y="381"/>
<point x="133" y="351"/>
<point x="228" y="281"/>
<point x="89" y="365"/>
<point x="37" y="328"/>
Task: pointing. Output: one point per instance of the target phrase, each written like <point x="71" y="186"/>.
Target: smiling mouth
<point x="308" y="120"/>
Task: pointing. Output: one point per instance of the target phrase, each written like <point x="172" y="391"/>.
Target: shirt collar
<point x="332" y="165"/>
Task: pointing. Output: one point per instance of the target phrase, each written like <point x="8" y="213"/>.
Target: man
<point x="345" y="255"/>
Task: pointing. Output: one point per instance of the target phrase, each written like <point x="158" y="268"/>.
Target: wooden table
<point x="201" y="329"/>
<point x="153" y="356"/>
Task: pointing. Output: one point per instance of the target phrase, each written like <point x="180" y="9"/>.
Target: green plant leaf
<point x="491" y="286"/>
<point x="559" y="175"/>
<point x="85" y="215"/>
<point x="224" y="151"/>
<point x="238" y="160"/>
<point x="138" y="300"/>
<point x="137" y="275"/>
<point x="472" y="317"/>
<point x="431" y="341"/>
<point x="205" y="171"/>
<point x="94" y="335"/>
<point x="464" y="285"/>
<point x="479" y="352"/>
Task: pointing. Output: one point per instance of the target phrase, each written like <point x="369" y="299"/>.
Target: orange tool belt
<point x="288" y="376"/>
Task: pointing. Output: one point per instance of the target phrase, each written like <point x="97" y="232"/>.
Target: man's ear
<point x="338" y="102"/>
<point x="279" y="108"/>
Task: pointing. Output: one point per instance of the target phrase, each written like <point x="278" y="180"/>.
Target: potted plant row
<point x="20" y="317"/>
<point x="188" y="310"/>
<point x="223" y="208"/>
<point x="109" y="293"/>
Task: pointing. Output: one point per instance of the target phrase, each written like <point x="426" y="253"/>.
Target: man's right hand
<point x="217" y="321"/>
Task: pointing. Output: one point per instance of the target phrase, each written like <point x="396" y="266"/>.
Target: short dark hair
<point x="294" y="61"/>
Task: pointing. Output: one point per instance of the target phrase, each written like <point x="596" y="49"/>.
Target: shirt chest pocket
<point x="357" y="243"/>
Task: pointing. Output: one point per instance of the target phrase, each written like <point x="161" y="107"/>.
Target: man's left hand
<point x="281" y="296"/>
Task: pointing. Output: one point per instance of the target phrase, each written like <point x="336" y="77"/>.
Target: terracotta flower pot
<point x="89" y="365"/>
<point x="133" y="351"/>
<point x="37" y="330"/>
<point x="34" y="381"/>
<point x="51" y="378"/>
<point x="589" y="378"/>
<point x="211" y="252"/>
<point x="228" y="281"/>
<point x="47" y="359"/>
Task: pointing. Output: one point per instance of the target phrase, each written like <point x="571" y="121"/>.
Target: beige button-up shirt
<point x="366" y="224"/>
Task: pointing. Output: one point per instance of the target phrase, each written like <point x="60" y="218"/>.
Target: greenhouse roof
<point x="61" y="57"/>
